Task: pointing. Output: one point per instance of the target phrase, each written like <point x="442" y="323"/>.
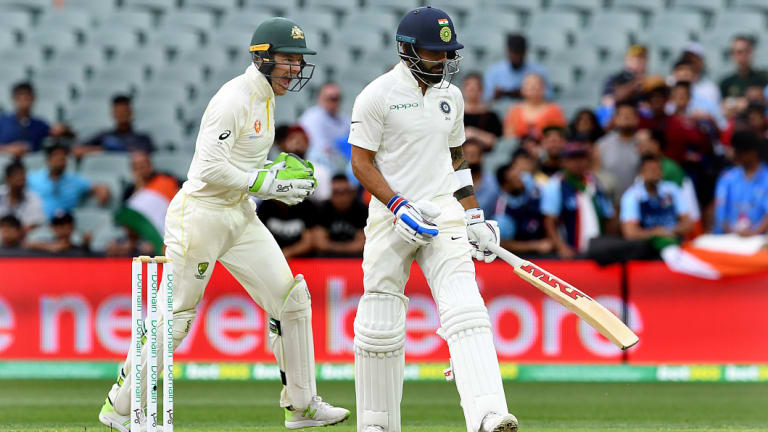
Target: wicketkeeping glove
<point x="413" y="221"/>
<point x="288" y="179"/>
<point x="481" y="232"/>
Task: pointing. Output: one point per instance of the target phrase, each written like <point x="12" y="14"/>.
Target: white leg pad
<point x="380" y="359"/>
<point x="290" y="337"/>
<point x="121" y="396"/>
<point x="467" y="329"/>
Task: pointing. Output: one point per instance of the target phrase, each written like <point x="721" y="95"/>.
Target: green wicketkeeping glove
<point x="288" y="179"/>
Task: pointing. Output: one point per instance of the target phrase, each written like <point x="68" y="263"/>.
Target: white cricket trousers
<point x="197" y="234"/>
<point x="380" y="321"/>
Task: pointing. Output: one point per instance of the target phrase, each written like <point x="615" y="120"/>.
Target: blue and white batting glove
<point x="413" y="221"/>
<point x="481" y="233"/>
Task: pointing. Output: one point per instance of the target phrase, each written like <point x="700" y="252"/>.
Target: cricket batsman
<point x="407" y="130"/>
<point x="212" y="219"/>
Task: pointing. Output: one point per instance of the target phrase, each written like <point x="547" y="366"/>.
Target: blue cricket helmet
<point x="430" y="29"/>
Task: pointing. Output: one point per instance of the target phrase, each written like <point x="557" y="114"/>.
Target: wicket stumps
<point x="141" y="334"/>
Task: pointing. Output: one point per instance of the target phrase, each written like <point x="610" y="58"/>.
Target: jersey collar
<point x="405" y="76"/>
<point x="259" y="82"/>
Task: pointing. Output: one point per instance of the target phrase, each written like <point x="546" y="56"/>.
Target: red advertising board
<point x="80" y="309"/>
<point x="687" y="319"/>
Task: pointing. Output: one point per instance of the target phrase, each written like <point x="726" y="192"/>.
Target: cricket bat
<point x="575" y="300"/>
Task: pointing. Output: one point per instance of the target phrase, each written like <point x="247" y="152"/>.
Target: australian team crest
<point x="445" y="107"/>
<point x="297" y="32"/>
<point x="201" y="269"/>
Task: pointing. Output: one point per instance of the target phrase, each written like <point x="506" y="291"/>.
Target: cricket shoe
<point x="493" y="422"/>
<point x="318" y="413"/>
<point x="109" y="417"/>
<point x="374" y="429"/>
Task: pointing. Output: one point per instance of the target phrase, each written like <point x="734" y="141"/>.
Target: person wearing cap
<point x="741" y="193"/>
<point x="406" y="135"/>
<point x="574" y="205"/>
<point x="653" y="207"/>
<point x="212" y="218"/>
<point x="505" y="79"/>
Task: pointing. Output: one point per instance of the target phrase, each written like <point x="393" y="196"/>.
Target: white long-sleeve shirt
<point x="236" y="133"/>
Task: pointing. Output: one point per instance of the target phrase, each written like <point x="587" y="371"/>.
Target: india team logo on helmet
<point x="430" y="29"/>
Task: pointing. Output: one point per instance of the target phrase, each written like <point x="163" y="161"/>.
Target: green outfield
<point x="213" y="406"/>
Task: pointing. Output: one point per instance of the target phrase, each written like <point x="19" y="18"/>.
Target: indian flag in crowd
<point x="144" y="212"/>
<point x="713" y="256"/>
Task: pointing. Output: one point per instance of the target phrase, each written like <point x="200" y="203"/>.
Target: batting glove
<point x="413" y="221"/>
<point x="481" y="233"/>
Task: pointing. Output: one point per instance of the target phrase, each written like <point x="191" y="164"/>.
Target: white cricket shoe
<point x="494" y="422"/>
<point x="318" y="413"/>
<point x="371" y="428"/>
<point x="109" y="417"/>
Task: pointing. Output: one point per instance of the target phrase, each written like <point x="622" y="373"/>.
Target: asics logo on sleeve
<point x="224" y="135"/>
<point x="404" y="106"/>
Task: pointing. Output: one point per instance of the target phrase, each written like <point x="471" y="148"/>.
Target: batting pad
<point x="121" y="396"/>
<point x="467" y="329"/>
<point x="290" y="337"/>
<point x="380" y="359"/>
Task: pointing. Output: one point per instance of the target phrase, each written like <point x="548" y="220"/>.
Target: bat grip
<point x="509" y="257"/>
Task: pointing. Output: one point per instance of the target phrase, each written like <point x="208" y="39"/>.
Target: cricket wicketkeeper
<point x="212" y="219"/>
<point x="407" y="131"/>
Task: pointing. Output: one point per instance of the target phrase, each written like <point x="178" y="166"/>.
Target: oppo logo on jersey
<point x="404" y="106"/>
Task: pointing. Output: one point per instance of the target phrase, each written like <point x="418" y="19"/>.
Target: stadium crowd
<point x="657" y="161"/>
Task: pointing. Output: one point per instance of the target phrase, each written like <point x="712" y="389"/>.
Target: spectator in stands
<point x="706" y="107"/>
<point x="145" y="204"/>
<point x="553" y="141"/>
<point x="63" y="226"/>
<point x="11" y="234"/>
<point x="62" y="190"/>
<point x="296" y="141"/>
<point x="290" y="225"/>
<point x="505" y="79"/>
<point x="324" y="125"/>
<point x="479" y="121"/>
<point x="686" y="140"/>
<point x="16" y="199"/>
<point x="486" y="188"/>
<point x="736" y="84"/>
<point x="144" y="173"/>
<point x="626" y="85"/>
<point x="654" y="115"/>
<point x="20" y="132"/>
<point x="534" y="112"/>
<point x="340" y="221"/>
<point x="741" y="194"/>
<point x="649" y="142"/>
<point x="518" y="209"/>
<point x="123" y="138"/>
<point x="653" y="207"/>
<point x="618" y="149"/>
<point x="703" y="88"/>
<point x="574" y="205"/>
<point x="585" y="127"/>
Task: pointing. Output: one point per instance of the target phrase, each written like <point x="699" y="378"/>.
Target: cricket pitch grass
<point x="217" y="406"/>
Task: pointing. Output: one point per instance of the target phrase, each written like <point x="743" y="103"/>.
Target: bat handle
<point x="509" y="257"/>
